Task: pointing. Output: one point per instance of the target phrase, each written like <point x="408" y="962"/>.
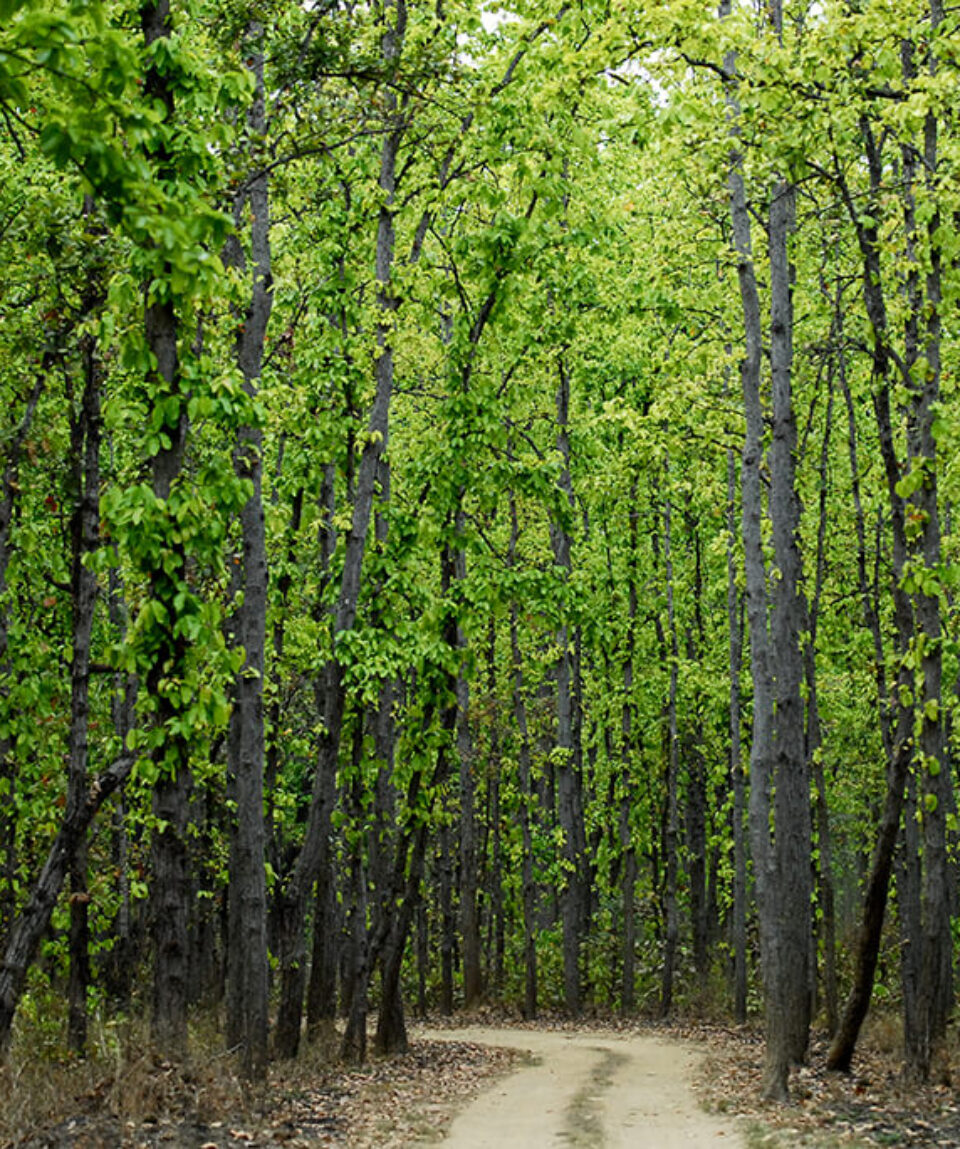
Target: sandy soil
<point x="588" y="1091"/>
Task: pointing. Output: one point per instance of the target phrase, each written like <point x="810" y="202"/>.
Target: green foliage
<point x="561" y="205"/>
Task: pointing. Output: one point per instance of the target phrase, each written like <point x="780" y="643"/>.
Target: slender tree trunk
<point x="737" y="777"/>
<point x="274" y="846"/>
<point x="582" y="787"/>
<point x="752" y="516"/>
<point x="495" y="884"/>
<point x="407" y="881"/>
<point x="122" y="959"/>
<point x="391" y="1034"/>
<point x="469" y="877"/>
<point x="329" y="698"/>
<point x="572" y="892"/>
<point x="814" y="750"/>
<point x="909" y="898"/>
<point x="923" y="338"/>
<point x="628" y="989"/>
<point x="85" y="537"/>
<point x="896" y="735"/>
<point x="696" y="791"/>
<point x="365" y="942"/>
<point x="354" y="1045"/>
<point x="896" y="744"/>
<point x="448" y="921"/>
<point x="778" y="775"/>
<point x="8" y="841"/>
<point x="671" y="916"/>
<point x="790" y="937"/>
<point x="423" y="958"/>
<point x="247" y="929"/>
<point x="527" y="797"/>
<point x="326" y="949"/>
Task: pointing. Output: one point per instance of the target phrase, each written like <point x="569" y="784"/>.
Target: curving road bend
<point x="588" y="1091"/>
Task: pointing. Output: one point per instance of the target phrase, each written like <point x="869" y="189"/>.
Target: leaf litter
<point x="407" y="1100"/>
<point x="385" y="1104"/>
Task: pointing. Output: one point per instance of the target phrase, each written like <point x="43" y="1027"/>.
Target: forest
<point x="476" y="498"/>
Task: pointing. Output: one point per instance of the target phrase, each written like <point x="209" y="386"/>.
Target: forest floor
<point x="583" y="1086"/>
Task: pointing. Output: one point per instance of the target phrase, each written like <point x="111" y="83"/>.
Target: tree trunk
<point x="737" y="777"/>
<point x="247" y="928"/>
<point x="353" y="1047"/>
<point x="325" y="954"/>
<point x="778" y="776"/>
<point x="628" y="989"/>
<point x="572" y="890"/>
<point x="469" y="877"/>
<point x="897" y="737"/>
<point x="407" y="880"/>
<point x="813" y="750"/>
<point x="788" y="926"/>
<point x="495" y="884"/>
<point x="85" y="434"/>
<point x="274" y="846"/>
<point x="909" y="895"/>
<point x="671" y="917"/>
<point x="936" y="776"/>
<point x="448" y="922"/>
<point x="121" y="960"/>
<point x="527" y="796"/>
<point x="364" y="942"/>
<point x="696" y="790"/>
<point x="170" y="890"/>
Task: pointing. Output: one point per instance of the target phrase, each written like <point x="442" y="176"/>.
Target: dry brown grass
<point x="125" y="1095"/>
<point x="872" y="1106"/>
<point x="121" y="1084"/>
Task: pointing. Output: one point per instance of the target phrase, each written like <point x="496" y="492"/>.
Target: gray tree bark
<point x="813" y="748"/>
<point x="894" y="716"/>
<point x="469" y="859"/>
<point x="628" y="981"/>
<point x="671" y="915"/>
<point x="737" y="775"/>
<point x="527" y="795"/>
<point x="572" y="894"/>
<point x="247" y="969"/>
<point x="925" y="1026"/>
<point x="778" y="776"/>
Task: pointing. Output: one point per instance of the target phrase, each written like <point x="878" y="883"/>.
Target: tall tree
<point x="779" y="800"/>
<point x="247" y="955"/>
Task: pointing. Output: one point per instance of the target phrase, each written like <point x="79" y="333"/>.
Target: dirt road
<point x="588" y="1091"/>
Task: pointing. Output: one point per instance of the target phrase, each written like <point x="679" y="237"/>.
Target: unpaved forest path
<point x="588" y="1091"/>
